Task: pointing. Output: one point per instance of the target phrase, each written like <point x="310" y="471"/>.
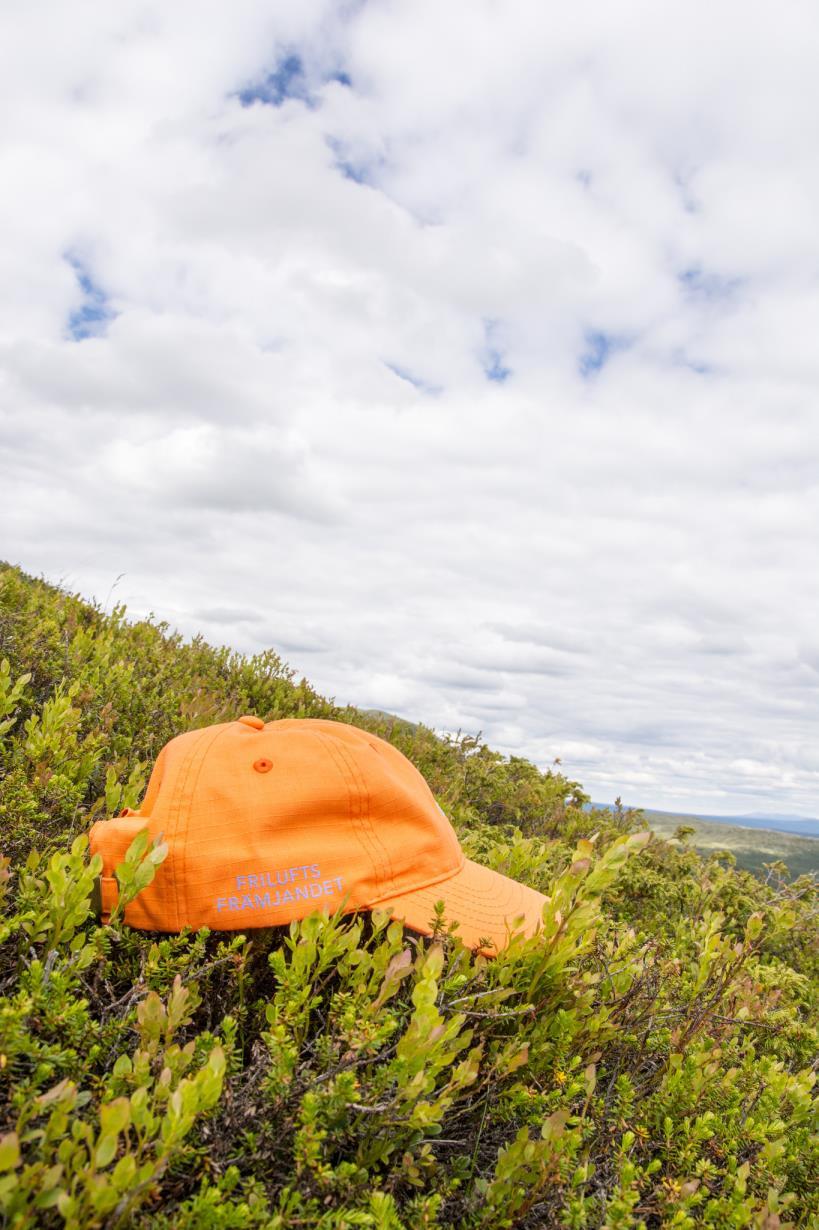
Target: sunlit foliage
<point x="648" y="1060"/>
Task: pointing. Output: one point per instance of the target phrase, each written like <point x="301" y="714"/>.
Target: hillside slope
<point x="646" y="1061"/>
<point x="752" y="848"/>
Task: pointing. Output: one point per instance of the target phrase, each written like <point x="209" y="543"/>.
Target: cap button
<point x="255" y="722"/>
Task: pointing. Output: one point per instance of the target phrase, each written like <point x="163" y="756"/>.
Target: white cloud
<point x="478" y="376"/>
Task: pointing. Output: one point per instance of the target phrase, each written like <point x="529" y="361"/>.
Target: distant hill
<point x="777" y="815"/>
<point x="400" y="722"/>
<point x="752" y="845"/>
<point x="802" y="826"/>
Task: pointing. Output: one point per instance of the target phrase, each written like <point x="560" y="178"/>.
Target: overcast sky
<point x="464" y="353"/>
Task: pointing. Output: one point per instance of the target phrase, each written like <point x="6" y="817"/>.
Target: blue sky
<point x="93" y="310"/>
<point x="464" y="354"/>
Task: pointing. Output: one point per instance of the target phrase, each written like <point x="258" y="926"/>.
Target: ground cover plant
<point x="649" y="1060"/>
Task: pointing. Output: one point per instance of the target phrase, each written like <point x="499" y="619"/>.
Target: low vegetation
<point x="649" y="1060"/>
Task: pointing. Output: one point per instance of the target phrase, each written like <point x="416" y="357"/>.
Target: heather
<point x="648" y="1060"/>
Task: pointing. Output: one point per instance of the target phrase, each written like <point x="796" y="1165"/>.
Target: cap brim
<point x="487" y="906"/>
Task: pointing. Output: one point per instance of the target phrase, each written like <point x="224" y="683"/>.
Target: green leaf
<point x="114" y="1116"/>
<point x="9" y="1151"/>
<point x="124" y="1172"/>
<point x="105" y="1150"/>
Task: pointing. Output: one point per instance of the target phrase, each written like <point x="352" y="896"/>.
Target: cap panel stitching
<point x="475" y="908"/>
<point x="472" y="909"/>
<point x="463" y="910"/>
<point x="387" y="871"/>
<point x="466" y="910"/>
<point x="215" y="734"/>
<point x="334" y="750"/>
<point x="405" y="892"/>
<point x="176" y="791"/>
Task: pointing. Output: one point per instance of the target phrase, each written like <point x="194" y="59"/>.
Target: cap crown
<point x="268" y="822"/>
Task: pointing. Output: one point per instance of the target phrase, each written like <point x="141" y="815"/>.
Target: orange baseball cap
<point x="267" y="822"/>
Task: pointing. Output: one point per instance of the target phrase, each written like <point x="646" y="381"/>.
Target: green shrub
<point x="648" y="1060"/>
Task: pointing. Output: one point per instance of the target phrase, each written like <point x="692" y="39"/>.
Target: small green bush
<point x="648" y="1061"/>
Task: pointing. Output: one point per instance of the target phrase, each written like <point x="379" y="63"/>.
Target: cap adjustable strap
<point x="109" y="892"/>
